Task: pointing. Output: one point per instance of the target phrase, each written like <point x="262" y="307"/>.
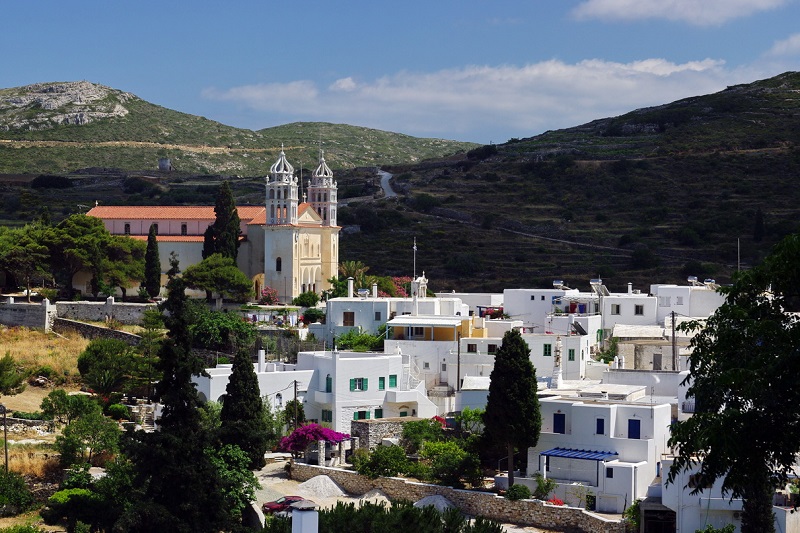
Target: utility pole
<point x="674" y="345"/>
<point x="458" y="366"/>
<point x="295" y="404"/>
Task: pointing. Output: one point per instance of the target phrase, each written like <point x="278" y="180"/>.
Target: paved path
<point x="388" y="192"/>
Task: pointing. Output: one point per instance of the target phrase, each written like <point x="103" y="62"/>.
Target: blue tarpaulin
<point x="591" y="455"/>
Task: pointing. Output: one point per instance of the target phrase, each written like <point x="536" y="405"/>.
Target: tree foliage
<point x="382" y="461"/>
<point x="216" y="330"/>
<point x="242" y="416"/>
<point x="512" y="413"/>
<point x="152" y="264"/>
<point x="417" y="432"/>
<point x="303" y="436"/>
<point x="87" y="437"/>
<point x="12" y="378"/>
<point x="65" y="408"/>
<point x="219" y="274"/>
<point x="106" y="365"/>
<point x="743" y="378"/>
<point x="226" y="228"/>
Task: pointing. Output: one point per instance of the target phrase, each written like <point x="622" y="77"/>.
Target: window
<point x="328" y="383"/>
<point x="278" y="264"/>
<point x="547" y="350"/>
<point x="379" y="413"/>
<point x="600" y="427"/>
<point x="127" y="229"/>
<point x="358" y="384"/>
<point x="614" y="309"/>
<point x="639" y="310"/>
<point x="419" y="332"/>
<point x="184" y="229"/>
<point x="472" y="348"/>
<point x="609" y="473"/>
<point x="533" y="296"/>
<point x="360" y="415"/>
<point x="392" y="381"/>
<point x="634" y="428"/>
<point x="279" y="400"/>
<point x="327" y="416"/>
<point x="403" y="413"/>
<point x="444" y="367"/>
<point x="426" y="365"/>
<point x="559" y="423"/>
<point x="492" y="348"/>
<point x="377" y="316"/>
<point x="381" y="383"/>
<point x="349" y="318"/>
<point x="571" y="354"/>
<point x="663" y="301"/>
<point x="679" y="300"/>
<point x="542" y="297"/>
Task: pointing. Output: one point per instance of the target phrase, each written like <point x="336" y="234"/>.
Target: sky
<point x="483" y="71"/>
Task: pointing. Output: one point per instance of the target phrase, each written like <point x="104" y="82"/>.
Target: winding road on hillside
<point x="388" y="192"/>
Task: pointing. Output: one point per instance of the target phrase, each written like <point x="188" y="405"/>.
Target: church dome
<point x="323" y="171"/>
<point x="281" y="166"/>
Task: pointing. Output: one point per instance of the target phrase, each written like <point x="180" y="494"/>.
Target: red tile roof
<point x="167" y="212"/>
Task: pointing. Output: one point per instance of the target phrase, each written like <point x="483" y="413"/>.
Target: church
<point x="291" y="244"/>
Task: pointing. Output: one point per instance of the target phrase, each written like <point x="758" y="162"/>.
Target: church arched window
<point x="272" y="194"/>
<point x="278" y="264"/>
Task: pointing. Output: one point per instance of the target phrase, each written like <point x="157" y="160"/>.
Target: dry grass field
<point x="35" y="349"/>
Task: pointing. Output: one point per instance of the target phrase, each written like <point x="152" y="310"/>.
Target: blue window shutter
<point x="352" y="384"/>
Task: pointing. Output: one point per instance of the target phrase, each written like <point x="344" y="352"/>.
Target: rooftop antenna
<point x="415" y="258"/>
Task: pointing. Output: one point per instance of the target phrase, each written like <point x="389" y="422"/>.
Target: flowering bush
<point x="301" y="437"/>
<point x="555" y="501"/>
<point x="441" y="421"/>
<point x="269" y="296"/>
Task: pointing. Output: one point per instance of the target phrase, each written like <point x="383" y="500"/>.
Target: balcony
<point x="322" y="397"/>
<point x="401" y="396"/>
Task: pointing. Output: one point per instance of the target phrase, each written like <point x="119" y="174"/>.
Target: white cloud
<point x="489" y="103"/>
<point x="787" y="47"/>
<point x="697" y="12"/>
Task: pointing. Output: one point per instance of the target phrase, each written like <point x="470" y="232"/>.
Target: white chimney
<point x="555" y="382"/>
<point x="349" y="287"/>
<point x="261" y="363"/>
<point x="374" y="290"/>
<point x="630" y="288"/>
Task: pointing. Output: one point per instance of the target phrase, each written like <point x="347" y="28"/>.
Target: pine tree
<point x="226" y="227"/>
<point x="242" y="413"/>
<point x="152" y="265"/>
<point x="512" y="413"/>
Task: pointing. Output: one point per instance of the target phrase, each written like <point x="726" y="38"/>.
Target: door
<point x="559" y="423"/>
<point x="634" y="428"/>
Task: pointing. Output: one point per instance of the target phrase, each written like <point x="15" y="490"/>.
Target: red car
<point x="281" y="504"/>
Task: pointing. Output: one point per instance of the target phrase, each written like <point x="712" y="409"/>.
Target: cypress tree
<point x="226" y="227"/>
<point x="512" y="413"/>
<point x="242" y="413"/>
<point x="152" y="265"/>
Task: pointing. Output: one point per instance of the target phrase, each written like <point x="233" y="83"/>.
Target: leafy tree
<point x="312" y="315"/>
<point x="306" y="299"/>
<point x="12" y="379"/>
<point x="145" y="364"/>
<point x="294" y="408"/>
<point x="512" y="410"/>
<point x="226" y="227"/>
<point x="15" y="496"/>
<point x="418" y="432"/>
<point x="238" y="484"/>
<point x="65" y="408"/>
<point x="471" y="420"/>
<point x="122" y="264"/>
<point x="152" y="265"/>
<point x="743" y="378"/>
<point x="220" y="274"/>
<point x="383" y="461"/>
<point x="106" y="365"/>
<point x="76" y="244"/>
<point x="242" y="416"/>
<point x="23" y="254"/>
<point x="86" y="437"/>
<point x="544" y="486"/>
<point x="356" y="270"/>
<point x="216" y="330"/>
<point x="449" y="462"/>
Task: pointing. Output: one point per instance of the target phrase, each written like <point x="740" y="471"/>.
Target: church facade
<point x="290" y="244"/>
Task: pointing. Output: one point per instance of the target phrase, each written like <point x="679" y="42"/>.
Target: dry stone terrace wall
<point x="89" y="331"/>
<point x="488" y="505"/>
<point x="370" y="433"/>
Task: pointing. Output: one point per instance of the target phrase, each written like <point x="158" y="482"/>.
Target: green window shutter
<point x="328" y="383"/>
<point x="352" y="384"/>
<point x="367" y="417"/>
<point x="378" y="413"/>
<point x="392" y="381"/>
<point x="381" y="383"/>
<point x="355" y="415"/>
<point x="571" y="355"/>
<point x="365" y="384"/>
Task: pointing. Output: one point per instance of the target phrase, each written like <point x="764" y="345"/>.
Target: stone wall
<point x="486" y="504"/>
<point x="38" y="315"/>
<point x="89" y="331"/>
<point x="125" y="313"/>
<point x="369" y="433"/>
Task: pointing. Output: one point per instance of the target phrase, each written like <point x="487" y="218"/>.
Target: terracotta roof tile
<point x="153" y="212"/>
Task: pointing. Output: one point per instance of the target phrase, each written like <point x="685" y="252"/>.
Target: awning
<point x="569" y="453"/>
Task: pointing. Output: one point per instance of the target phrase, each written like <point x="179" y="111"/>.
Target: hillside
<point x="689" y="188"/>
<point x="64" y="126"/>
<point x="694" y="187"/>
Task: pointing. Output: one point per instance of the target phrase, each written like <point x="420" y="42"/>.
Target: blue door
<point x="559" y="423"/>
<point x="634" y="428"/>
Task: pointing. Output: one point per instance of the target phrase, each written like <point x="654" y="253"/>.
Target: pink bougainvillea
<point x="555" y="501"/>
<point x="441" y="421"/>
<point x="301" y="437"/>
<point x="269" y="296"/>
